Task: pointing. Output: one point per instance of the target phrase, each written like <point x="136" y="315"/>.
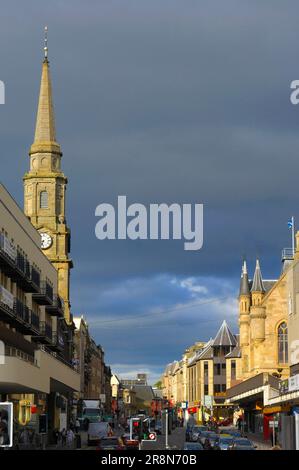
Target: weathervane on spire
<point x="46" y="43"/>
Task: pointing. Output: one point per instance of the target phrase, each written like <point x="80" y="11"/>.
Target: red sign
<point x="193" y="409"/>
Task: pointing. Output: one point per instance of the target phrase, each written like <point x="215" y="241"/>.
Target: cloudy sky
<point x="163" y="101"/>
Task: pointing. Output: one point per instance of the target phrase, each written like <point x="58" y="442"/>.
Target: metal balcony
<point x="57" y="307"/>
<point x="8" y="254"/>
<point x="34" y="321"/>
<point x="15" y="265"/>
<point x="287" y="254"/>
<point x="45" y="333"/>
<point x="45" y="294"/>
<point x="58" y="342"/>
<point x="14" y="312"/>
<point x="35" y="279"/>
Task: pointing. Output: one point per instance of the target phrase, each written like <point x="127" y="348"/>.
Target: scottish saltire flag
<point x="290" y="223"/>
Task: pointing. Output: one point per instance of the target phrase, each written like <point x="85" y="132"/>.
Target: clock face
<point x="46" y="240"/>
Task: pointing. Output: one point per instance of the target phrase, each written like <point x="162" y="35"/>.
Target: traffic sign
<point x="152" y="436"/>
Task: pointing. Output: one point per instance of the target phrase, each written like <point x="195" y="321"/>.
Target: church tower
<point x="45" y="187"/>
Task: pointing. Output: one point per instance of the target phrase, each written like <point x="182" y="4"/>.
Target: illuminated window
<point x="282" y="343"/>
<point x="44" y="200"/>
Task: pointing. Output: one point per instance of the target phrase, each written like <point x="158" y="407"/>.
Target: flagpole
<point x="293" y="236"/>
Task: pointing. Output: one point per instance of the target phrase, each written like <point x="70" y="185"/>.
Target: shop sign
<point x="103" y="397"/>
<point x="294" y="383"/>
<point x="284" y="386"/>
<point x="193" y="409"/>
<point x="208" y="401"/>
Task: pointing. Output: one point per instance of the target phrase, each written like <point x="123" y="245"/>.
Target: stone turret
<point x="257" y="311"/>
<point x="244" y="318"/>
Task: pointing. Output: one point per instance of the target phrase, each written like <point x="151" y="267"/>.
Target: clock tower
<point x="45" y="187"/>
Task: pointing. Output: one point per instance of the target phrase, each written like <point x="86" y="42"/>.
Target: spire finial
<point x="46" y="43"/>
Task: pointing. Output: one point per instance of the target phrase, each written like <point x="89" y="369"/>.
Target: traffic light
<point x="136" y="427"/>
<point x="6" y="424"/>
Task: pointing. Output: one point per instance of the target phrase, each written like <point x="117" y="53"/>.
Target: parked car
<point x="130" y="444"/>
<point x="224" y="441"/>
<point x="210" y="435"/>
<point x="111" y="443"/>
<point x="196" y="432"/>
<point x="224" y="422"/>
<point x="241" y="443"/>
<point x="193" y="446"/>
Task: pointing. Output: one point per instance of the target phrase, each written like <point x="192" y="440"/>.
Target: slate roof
<point x="224" y="336"/>
<point x="244" y="282"/>
<point x="257" y="283"/>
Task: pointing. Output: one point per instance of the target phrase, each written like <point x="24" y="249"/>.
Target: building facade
<point x="196" y="385"/>
<point x="36" y="370"/>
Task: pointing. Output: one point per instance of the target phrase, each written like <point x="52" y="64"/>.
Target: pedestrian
<point x="63" y="437"/>
<point x="70" y="438"/>
<point x="77" y="425"/>
<point x="4" y="437"/>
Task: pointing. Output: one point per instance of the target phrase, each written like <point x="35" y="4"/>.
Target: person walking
<point x="63" y="437"/>
<point x="70" y="439"/>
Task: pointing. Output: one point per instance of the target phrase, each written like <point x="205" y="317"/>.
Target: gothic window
<point x="282" y="343"/>
<point x="44" y="200"/>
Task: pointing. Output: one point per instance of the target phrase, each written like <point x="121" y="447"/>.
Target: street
<point x="175" y="441"/>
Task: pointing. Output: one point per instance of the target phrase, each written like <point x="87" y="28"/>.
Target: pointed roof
<point x="224" y="336"/>
<point x="236" y="352"/>
<point x="244" y="283"/>
<point x="257" y="283"/>
<point x="45" y="134"/>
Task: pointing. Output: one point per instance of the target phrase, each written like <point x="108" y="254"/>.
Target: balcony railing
<point x="21" y="311"/>
<point x="16" y="266"/>
<point x="46" y="289"/>
<point x="35" y="321"/>
<point x="35" y="277"/>
<point x="58" y="340"/>
<point x="287" y="254"/>
<point x="45" y="294"/>
<point x="57" y="307"/>
<point x="45" y="330"/>
<point x="7" y="248"/>
<point x="14" y="352"/>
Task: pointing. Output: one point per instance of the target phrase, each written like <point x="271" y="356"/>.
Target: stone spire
<point x="244" y="283"/>
<point x="45" y="135"/>
<point x="257" y="284"/>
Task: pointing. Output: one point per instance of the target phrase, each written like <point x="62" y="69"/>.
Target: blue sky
<point x="163" y="101"/>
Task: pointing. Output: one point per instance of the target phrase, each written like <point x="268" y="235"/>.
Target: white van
<point x="96" y="431"/>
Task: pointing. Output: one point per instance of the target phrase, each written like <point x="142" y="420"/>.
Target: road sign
<point x="152" y="436"/>
<point x="273" y="424"/>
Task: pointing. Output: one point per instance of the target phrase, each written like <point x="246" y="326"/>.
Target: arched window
<point x="282" y="343"/>
<point x="44" y="200"/>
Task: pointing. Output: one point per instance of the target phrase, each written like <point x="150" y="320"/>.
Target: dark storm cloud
<point x="164" y="101"/>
